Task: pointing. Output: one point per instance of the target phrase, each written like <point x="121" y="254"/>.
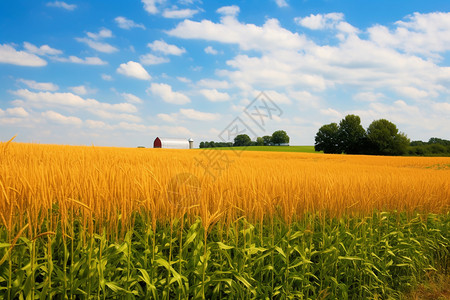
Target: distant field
<point x="305" y="149"/>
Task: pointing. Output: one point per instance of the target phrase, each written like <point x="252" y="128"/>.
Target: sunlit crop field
<point x="61" y="205"/>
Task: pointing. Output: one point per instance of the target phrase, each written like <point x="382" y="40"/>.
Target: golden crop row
<point x="52" y="184"/>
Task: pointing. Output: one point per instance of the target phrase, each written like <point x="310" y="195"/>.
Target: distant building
<point x="173" y="143"/>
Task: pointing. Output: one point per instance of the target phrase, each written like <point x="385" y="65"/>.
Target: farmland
<point x="81" y="222"/>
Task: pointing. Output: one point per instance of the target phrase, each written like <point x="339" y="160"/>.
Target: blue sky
<point x="120" y="73"/>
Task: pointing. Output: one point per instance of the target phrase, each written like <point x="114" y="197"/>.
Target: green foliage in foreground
<point x="315" y="258"/>
<point x="306" y="149"/>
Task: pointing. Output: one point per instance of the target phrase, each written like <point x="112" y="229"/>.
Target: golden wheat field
<point x="109" y="184"/>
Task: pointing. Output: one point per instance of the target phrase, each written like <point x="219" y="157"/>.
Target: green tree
<point x="242" y="140"/>
<point x="280" y="137"/>
<point x="351" y="135"/>
<point x="202" y="144"/>
<point x="259" y="141"/>
<point x="385" y="138"/>
<point x="327" y="139"/>
<point x="266" y="140"/>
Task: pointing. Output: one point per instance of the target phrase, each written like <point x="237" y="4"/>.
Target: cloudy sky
<point x="120" y="73"/>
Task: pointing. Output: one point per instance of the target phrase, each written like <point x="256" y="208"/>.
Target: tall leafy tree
<point x="280" y="137"/>
<point x="351" y="135"/>
<point x="242" y="140"/>
<point x="385" y="138"/>
<point x="327" y="139"/>
<point x="266" y="140"/>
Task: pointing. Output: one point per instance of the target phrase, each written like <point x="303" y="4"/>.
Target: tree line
<point x="381" y="138"/>
<point x="279" y="137"/>
<point x="434" y="147"/>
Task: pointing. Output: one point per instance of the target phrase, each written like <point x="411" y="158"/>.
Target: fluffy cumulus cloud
<point x="232" y="10"/>
<point x="79" y="90"/>
<point x="214" y="95"/>
<point x="269" y="37"/>
<point x="151" y="6"/>
<point x="42" y="50"/>
<point x="424" y="34"/>
<point x="165" y="48"/>
<point x="127" y="24"/>
<point x="9" y="55"/>
<point x="198" y="115"/>
<point x="94" y="41"/>
<point x="70" y="101"/>
<point x="132" y="98"/>
<point x="320" y="21"/>
<point x="211" y="50"/>
<point x="165" y="92"/>
<point x="167" y="118"/>
<point x="133" y="69"/>
<point x="61" y="119"/>
<point x="179" y="13"/>
<point x="151" y="59"/>
<point x="17" y="112"/>
<point x="42" y="86"/>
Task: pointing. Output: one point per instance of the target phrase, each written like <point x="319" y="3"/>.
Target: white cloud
<point x="99" y="46"/>
<point x="198" y="115"/>
<point x="214" y="84"/>
<point x="103" y="33"/>
<point x="232" y="10"/>
<point x="107" y="77"/>
<point x="269" y="37"/>
<point x="214" y="95"/>
<point x="17" y="112"/>
<point x="150" y="59"/>
<point x="184" y="79"/>
<point x="331" y="113"/>
<point x="177" y="131"/>
<point x="93" y="41"/>
<point x="167" y="118"/>
<point x="369" y="96"/>
<point x="132" y="126"/>
<point x="42" y="86"/>
<point x="281" y="3"/>
<point x="84" y="61"/>
<point x="125" y="23"/>
<point x="413" y="92"/>
<point x="43" y="50"/>
<point x="116" y="116"/>
<point x="165" y="92"/>
<point x="95" y="124"/>
<point x="163" y="47"/>
<point x="279" y="98"/>
<point x="69" y="100"/>
<point x="62" y="4"/>
<point x="211" y="50"/>
<point x="132" y="98"/>
<point x="442" y="107"/>
<point x="133" y="69"/>
<point x="320" y="21"/>
<point x="179" y="13"/>
<point x="79" y="90"/>
<point x="61" y="119"/>
<point x="9" y="55"/>
<point x="425" y="34"/>
<point x="150" y="5"/>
